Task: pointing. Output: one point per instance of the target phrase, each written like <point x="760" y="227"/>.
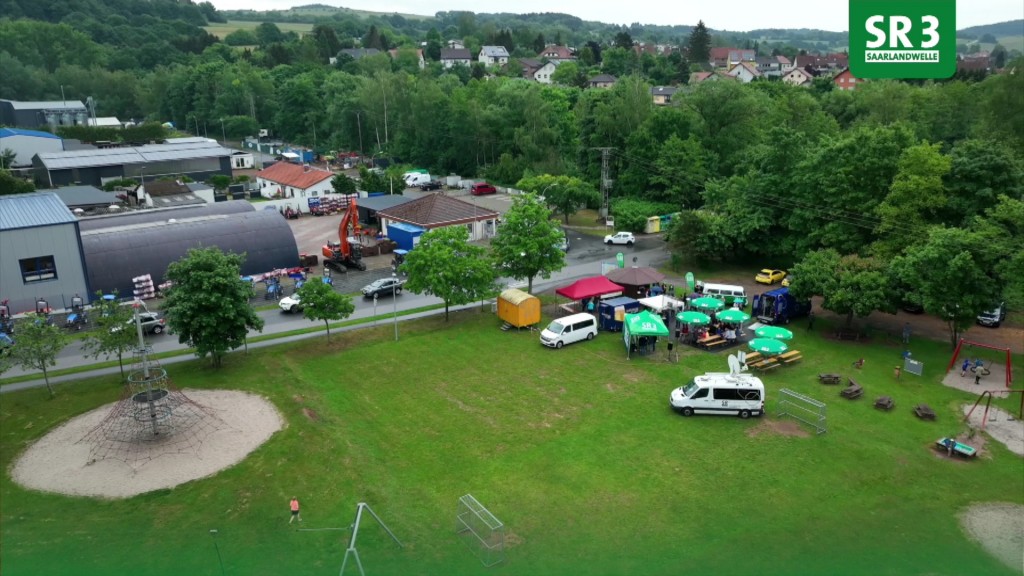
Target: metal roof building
<point x="84" y="197"/>
<point x="28" y="143"/>
<point x="198" y="160"/>
<point x="35" y="114"/>
<point x="41" y="254"/>
<point x="128" y="248"/>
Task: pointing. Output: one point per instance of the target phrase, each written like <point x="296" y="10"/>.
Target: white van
<point x="731" y="295"/>
<point x="417" y="179"/>
<point x="568" y="330"/>
<point x="718" y="393"/>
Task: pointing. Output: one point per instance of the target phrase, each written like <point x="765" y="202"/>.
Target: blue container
<point x="404" y="234"/>
<point x="606" y="312"/>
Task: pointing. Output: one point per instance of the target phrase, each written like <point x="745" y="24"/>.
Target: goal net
<point x="802" y="408"/>
<point x="480" y="530"/>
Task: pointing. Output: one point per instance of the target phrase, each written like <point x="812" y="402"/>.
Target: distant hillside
<point x="1011" y="28"/>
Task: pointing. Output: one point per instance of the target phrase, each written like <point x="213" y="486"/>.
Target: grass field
<point x="575" y="450"/>
<point x="220" y="30"/>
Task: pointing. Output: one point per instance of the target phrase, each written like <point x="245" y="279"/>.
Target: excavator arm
<point x="342" y="251"/>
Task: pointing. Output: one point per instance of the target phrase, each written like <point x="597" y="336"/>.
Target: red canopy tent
<point x="589" y="288"/>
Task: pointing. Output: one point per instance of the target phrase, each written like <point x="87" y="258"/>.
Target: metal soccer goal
<point x="480" y="530"/>
<point x="802" y="408"/>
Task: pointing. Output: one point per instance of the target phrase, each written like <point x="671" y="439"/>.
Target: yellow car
<point x="768" y="276"/>
<point x="786" y="281"/>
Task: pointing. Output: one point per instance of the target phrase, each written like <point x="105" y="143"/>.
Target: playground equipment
<point x="802" y="408"/>
<point x="987" y="396"/>
<point x="351" y="550"/>
<point x="971" y="345"/>
<point x="957" y="448"/>
<point x="481" y="531"/>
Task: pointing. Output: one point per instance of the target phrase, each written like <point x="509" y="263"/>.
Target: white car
<point x="290" y="303"/>
<point x="626" y="238"/>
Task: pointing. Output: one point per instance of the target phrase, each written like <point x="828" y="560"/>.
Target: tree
<point x="208" y="303"/>
<point x="566" y="193"/>
<point x="268" y="33"/>
<point x="699" y="45"/>
<point x="113" y="336"/>
<point x="37" y="346"/>
<point x="952" y="282"/>
<point x="10" y="184"/>
<point x="220" y="181"/>
<point x="241" y="37"/>
<point x="998" y="56"/>
<point x="526" y="244"/>
<point x="915" y="200"/>
<point x="7" y="157"/>
<point x="342" y="184"/>
<point x="446" y="265"/>
<point x="623" y="40"/>
<point x="848" y="285"/>
<point x="321" y="302"/>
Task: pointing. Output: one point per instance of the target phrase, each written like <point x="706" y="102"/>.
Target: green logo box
<point x="903" y="38"/>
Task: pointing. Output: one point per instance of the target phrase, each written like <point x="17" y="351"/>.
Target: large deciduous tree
<point x="566" y="193"/>
<point x="446" y="265"/>
<point x="915" y="201"/>
<point x="113" y="336"/>
<point x="208" y="303"/>
<point x="526" y="244"/>
<point x="321" y="302"/>
<point x="37" y="345"/>
<point x="848" y="285"/>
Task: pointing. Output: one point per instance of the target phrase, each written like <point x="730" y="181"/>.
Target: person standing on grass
<point x="906" y="333"/>
<point x="810" y="321"/>
<point x="294" y="505"/>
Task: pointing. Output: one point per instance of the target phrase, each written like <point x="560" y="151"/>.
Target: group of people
<point x="978" y="367"/>
<point x="656" y="289"/>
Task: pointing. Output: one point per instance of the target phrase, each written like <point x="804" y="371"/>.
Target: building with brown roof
<point x="441" y="211"/>
<point x="554" y="52"/>
<point x="287" y="180"/>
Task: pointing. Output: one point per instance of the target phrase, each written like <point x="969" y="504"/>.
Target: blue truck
<point x="779" y="307"/>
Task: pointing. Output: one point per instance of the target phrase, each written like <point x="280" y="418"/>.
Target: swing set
<point x="971" y="344"/>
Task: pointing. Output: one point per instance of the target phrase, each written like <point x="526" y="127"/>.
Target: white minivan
<point x="731" y="295"/>
<point x="716" y="393"/>
<point x="568" y="330"/>
<point x="416" y="179"/>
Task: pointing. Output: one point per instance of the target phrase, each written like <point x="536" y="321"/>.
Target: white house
<point x="798" y="77"/>
<point x="543" y="74"/>
<point x="455" y="57"/>
<point x="293" y="181"/>
<point x="241" y="160"/>
<point x="493" y="55"/>
<point x="744" y="72"/>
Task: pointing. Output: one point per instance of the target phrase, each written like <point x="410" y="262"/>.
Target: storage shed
<point x="407" y="236"/>
<point x="518" y="308"/>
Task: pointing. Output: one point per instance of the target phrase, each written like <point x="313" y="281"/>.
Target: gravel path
<point x="999" y="528"/>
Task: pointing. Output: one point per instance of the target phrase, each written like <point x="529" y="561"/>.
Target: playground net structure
<point x="802" y="408"/>
<point x="480" y="530"/>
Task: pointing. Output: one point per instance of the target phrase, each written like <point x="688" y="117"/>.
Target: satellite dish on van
<point x="734" y="364"/>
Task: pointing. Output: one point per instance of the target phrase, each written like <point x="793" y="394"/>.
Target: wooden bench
<point x="752" y="358"/>
<point x="885" y="403"/>
<point x="791" y="356"/>
<point x="710" y="341"/>
<point x="852" y="392"/>
<point x="768" y="366"/>
<point x="720" y="342"/>
<point x="830" y="378"/>
<point x="791" y="360"/>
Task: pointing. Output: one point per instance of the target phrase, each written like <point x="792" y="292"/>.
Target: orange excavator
<point x="346" y="252"/>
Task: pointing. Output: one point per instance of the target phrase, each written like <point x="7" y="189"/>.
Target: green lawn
<point x="575" y="450"/>
<point x="220" y="30"/>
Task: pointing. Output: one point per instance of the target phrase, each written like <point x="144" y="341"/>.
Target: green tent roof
<point x="646" y="324"/>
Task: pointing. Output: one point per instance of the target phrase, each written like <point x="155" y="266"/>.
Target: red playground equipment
<point x="1009" y="359"/>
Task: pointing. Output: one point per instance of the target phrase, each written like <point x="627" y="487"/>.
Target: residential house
<point x="419" y="54"/>
<point x="293" y="181"/>
<point x="800" y="76"/>
<point x="662" y="95"/>
<point x="719" y="57"/>
<point x="729" y="57"/>
<point x="828" y="64"/>
<point x="493" y="55"/>
<point x="241" y="160"/>
<point x="698" y="77"/>
<point x="530" y="67"/>
<point x="972" y="65"/>
<point x="439" y="211"/>
<point x="543" y="74"/>
<point x="769" y="66"/>
<point x="785" y="64"/>
<point x="455" y="57"/>
<point x="602" y="81"/>
<point x="556" y="53"/>
<point x="455" y="44"/>
<point x="845" y="80"/>
<point x="641" y="48"/>
<point x="745" y="72"/>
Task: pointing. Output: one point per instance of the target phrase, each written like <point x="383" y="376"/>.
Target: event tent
<point x="644" y="323"/>
<point x="589" y="288"/>
<point x="661" y="302"/>
<point x="635" y="280"/>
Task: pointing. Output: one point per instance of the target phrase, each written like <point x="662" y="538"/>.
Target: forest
<point x="895" y="178"/>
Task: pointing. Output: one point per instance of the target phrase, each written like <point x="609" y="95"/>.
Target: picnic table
<point x="752" y="358"/>
<point x="852" y="391"/>
<point x="790" y="357"/>
<point x="885" y="403"/>
<point x="765" y="364"/>
<point x="924" y="412"/>
<point x="712" y="341"/>
<point x="830" y="378"/>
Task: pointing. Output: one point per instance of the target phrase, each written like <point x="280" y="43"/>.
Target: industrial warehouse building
<point x="48" y="253"/>
<point x="36" y="114"/>
<point x="28" y="143"/>
<point x="198" y="159"/>
<point x="41" y="256"/>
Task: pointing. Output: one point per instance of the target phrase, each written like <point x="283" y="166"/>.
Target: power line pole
<point x="606" y="181"/>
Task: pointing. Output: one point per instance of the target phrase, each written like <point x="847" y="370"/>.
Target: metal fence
<point x="802" y="408"/>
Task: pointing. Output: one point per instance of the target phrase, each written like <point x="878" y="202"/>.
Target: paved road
<point x="584" y="259"/>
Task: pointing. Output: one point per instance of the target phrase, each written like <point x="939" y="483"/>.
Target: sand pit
<point x="59" y="461"/>
<point x="1001" y="426"/>
<point x="999" y="528"/>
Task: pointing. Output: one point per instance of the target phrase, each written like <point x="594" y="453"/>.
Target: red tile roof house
<point x="289" y="180"/>
<point x="845" y="80"/>
<point x="440" y="211"/>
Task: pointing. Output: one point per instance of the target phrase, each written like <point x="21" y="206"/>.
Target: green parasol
<point x="693" y="317"/>
<point x="773" y="332"/>
<point x="768" y="346"/>
<point x="733" y="315"/>
<point x="706" y="303"/>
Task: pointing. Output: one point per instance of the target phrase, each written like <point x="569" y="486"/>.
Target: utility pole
<point x="359" y="123"/>
<point x="606" y="181"/>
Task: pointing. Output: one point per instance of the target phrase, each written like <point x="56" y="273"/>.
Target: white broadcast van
<point x="733" y="394"/>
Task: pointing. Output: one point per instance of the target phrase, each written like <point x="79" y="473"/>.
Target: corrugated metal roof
<point x="131" y="155"/>
<point x="6" y="132"/>
<point x="57" y="104"/>
<point x="75" y="196"/>
<point x="32" y="210"/>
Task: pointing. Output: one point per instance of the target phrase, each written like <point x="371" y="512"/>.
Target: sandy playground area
<point x="60" y="461"/>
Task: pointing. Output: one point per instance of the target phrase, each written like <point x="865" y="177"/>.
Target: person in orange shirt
<point x="295" y="510"/>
